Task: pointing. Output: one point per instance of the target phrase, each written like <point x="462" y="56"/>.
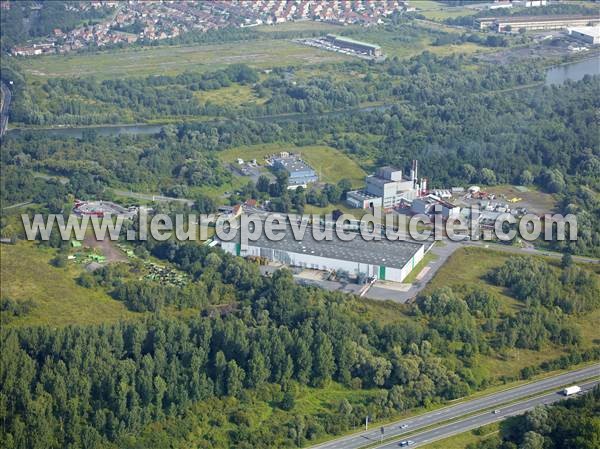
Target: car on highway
<point x="406" y="443"/>
<point x="495" y="412"/>
<point x="404" y="426"/>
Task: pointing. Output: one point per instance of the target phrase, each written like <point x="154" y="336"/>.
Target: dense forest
<point x="272" y="334"/>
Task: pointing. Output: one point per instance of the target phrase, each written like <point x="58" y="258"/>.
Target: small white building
<point x="432" y="204"/>
<point x="360" y="199"/>
<point x="529" y="3"/>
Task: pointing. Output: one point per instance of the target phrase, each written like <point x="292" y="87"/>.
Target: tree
<point x="324" y="364"/>
<point x="468" y="172"/>
<point x="488" y="176"/>
<point x="234" y="378"/>
<point x="205" y="205"/>
<point x="257" y="369"/>
<point x="288" y="401"/>
<point x="526" y="178"/>
<point x="345" y="408"/>
<point x="532" y="440"/>
<point x="262" y="184"/>
<point x="566" y="260"/>
<point x="344" y="185"/>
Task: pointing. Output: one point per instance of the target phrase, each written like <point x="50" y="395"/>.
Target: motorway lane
<point x="483" y="419"/>
<point x="6" y="98"/>
<point x="366" y="438"/>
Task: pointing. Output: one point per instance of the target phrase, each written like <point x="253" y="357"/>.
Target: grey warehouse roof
<point x="393" y="254"/>
<point x="293" y="164"/>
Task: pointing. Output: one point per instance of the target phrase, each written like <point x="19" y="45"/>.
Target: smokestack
<point x="416" y="162"/>
<point x="423" y="186"/>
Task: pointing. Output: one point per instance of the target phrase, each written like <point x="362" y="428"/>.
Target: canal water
<point x="574" y="71"/>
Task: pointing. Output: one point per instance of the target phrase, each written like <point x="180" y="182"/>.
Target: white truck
<point x="569" y="391"/>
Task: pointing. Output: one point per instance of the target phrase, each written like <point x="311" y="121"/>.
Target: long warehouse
<point x="384" y="259"/>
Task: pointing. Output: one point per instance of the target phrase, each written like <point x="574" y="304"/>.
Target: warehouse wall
<point x="324" y="263"/>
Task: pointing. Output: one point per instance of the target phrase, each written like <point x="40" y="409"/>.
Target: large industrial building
<point x="300" y="173"/>
<point x="589" y="35"/>
<point x="384" y="259"/>
<point x="535" y="23"/>
<point x="361" y="47"/>
<point x="387" y="189"/>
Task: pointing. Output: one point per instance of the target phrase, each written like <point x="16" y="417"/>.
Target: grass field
<point x="438" y="11"/>
<point x="168" y="60"/>
<point x="461" y="440"/>
<point x="330" y="164"/>
<point x="468" y="267"/>
<point x="395" y="46"/>
<point x="532" y="198"/>
<point x="27" y="274"/>
<point x="234" y="95"/>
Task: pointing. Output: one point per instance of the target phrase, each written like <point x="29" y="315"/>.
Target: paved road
<point x="495" y="400"/>
<point x="473" y="422"/>
<point x="529" y="251"/>
<point x="6" y="97"/>
<point x="14" y="206"/>
<point x="442" y="252"/>
<point x="150" y="197"/>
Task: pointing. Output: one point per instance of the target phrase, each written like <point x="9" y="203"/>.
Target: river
<point x="573" y="71"/>
<point x="145" y="129"/>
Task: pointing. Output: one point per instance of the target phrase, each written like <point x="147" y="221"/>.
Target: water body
<point x="574" y="71"/>
<point x="77" y="133"/>
<point x="143" y="129"/>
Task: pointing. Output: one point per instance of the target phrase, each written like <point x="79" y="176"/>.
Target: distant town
<point x="128" y="22"/>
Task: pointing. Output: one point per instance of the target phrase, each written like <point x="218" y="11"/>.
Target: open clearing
<point x="533" y="199"/>
<point x="234" y="95"/>
<point x="27" y="274"/>
<point x="439" y="11"/>
<point x="461" y="441"/>
<point x="330" y="164"/>
<point x="169" y="60"/>
<point x="468" y="267"/>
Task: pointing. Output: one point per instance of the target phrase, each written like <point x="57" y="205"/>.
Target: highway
<point x="6" y="97"/>
<point x="461" y="409"/>
<point x="475" y="421"/>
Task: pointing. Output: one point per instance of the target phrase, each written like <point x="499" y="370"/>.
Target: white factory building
<point x="589" y="35"/>
<point x="389" y="260"/>
<point x="427" y="205"/>
<point x="387" y="189"/>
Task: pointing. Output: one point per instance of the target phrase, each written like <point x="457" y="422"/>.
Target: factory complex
<point x="589" y="35"/>
<point x="351" y="44"/>
<point x="535" y="23"/>
<point x="389" y="260"/>
<point x="345" y="45"/>
<point x="299" y="172"/>
<point x="387" y="189"/>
